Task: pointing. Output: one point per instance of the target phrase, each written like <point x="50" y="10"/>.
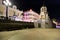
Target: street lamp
<point x="7" y="4"/>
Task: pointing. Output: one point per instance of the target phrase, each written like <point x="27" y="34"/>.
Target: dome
<point x="43" y="9"/>
<point x="14" y="6"/>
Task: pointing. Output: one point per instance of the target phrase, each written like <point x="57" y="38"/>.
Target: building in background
<point x="12" y="12"/>
<point x="15" y="14"/>
<point x="44" y="18"/>
<point x="30" y="16"/>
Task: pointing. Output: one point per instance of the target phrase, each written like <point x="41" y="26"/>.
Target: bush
<point x="14" y="25"/>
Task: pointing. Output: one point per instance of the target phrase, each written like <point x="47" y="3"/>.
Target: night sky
<point x="53" y="6"/>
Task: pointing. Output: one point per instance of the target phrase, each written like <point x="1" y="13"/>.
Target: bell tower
<point x="44" y="18"/>
<point x="43" y="12"/>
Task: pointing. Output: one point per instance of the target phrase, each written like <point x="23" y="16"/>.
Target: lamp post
<point x="7" y="4"/>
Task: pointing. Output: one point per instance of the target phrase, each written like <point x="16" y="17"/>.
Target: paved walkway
<point x="31" y="34"/>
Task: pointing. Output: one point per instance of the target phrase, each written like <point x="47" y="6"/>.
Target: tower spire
<point x="43" y="2"/>
<point x="45" y="20"/>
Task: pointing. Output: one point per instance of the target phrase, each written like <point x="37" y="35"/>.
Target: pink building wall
<point x="30" y="16"/>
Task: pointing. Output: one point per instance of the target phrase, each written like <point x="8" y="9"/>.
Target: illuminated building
<point x="44" y="18"/>
<point x="30" y="16"/>
<point x="11" y="11"/>
<point x="14" y="13"/>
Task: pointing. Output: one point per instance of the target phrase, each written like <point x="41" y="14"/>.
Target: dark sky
<point x="53" y="6"/>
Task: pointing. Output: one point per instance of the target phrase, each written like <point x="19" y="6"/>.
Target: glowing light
<point x="10" y="4"/>
<point x="30" y="9"/>
<point x="54" y="22"/>
<point x="7" y="3"/>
